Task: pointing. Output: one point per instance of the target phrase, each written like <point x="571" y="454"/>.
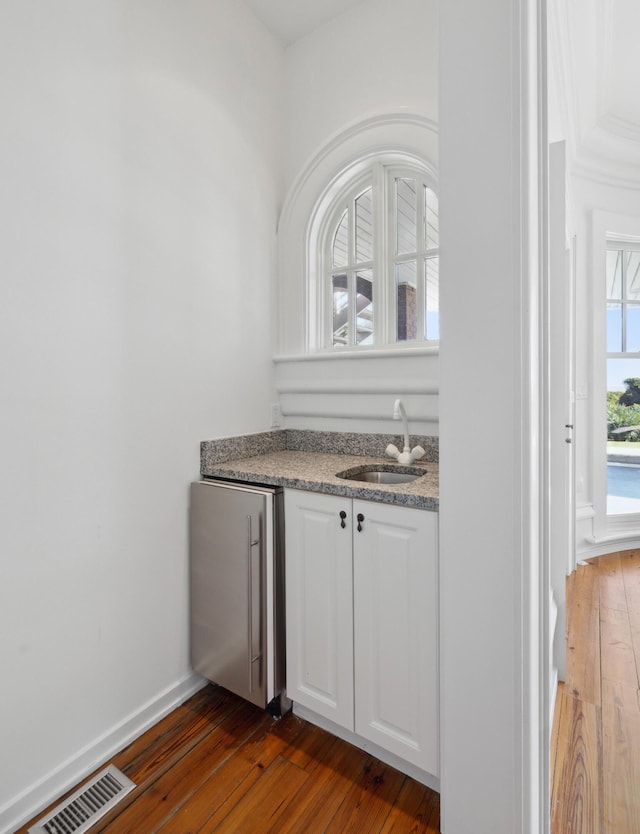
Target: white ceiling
<point x="289" y="20"/>
<point x="600" y="57"/>
<point x="601" y="65"/>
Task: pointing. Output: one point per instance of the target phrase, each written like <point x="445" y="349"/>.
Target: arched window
<point x="376" y="275"/>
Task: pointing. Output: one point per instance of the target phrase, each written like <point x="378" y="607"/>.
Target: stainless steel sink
<point x="382" y="474"/>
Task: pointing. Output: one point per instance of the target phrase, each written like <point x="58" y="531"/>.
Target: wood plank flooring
<point x="218" y="764"/>
<point x="596" y="735"/>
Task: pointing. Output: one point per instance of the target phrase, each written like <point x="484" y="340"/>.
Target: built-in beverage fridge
<point x="237" y="588"/>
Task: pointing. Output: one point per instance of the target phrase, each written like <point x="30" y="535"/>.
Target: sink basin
<point x="382" y="474"/>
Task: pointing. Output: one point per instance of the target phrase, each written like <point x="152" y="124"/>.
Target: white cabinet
<point x="362" y="620"/>
<point x="319" y="604"/>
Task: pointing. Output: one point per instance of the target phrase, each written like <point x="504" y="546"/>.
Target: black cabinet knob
<point x="343" y="515"/>
<point x="360" y="518"/>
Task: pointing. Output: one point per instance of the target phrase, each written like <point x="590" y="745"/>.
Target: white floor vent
<point x="87" y="805"/>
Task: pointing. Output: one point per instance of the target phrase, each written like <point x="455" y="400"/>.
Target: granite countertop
<point x="316" y="471"/>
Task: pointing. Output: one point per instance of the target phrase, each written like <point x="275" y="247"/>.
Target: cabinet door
<point x="230" y="533"/>
<point x="395" y="628"/>
<point x="319" y="604"/>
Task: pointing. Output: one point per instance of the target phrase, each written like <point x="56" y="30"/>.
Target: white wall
<point x="379" y="57"/>
<point x="489" y="421"/>
<point x="139" y="161"/>
<point x="363" y="83"/>
<point x="354" y="392"/>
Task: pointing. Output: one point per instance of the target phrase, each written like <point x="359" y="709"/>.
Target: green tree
<point x="619" y="416"/>
<point x="632" y="395"/>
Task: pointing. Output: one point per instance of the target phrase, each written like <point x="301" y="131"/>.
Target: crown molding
<point x="602" y="146"/>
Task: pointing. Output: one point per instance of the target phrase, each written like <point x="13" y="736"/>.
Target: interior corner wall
<point x="140" y="161"/>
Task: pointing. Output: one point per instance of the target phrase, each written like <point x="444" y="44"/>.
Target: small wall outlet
<point x="276" y="416"/>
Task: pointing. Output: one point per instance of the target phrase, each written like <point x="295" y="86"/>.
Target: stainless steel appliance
<point x="237" y="588"/>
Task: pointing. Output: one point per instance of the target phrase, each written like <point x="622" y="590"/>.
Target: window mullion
<point x="351" y="274"/>
<point x="380" y="334"/>
<point x="623" y="294"/>
<point x="378" y="316"/>
<point x="324" y="320"/>
<point x="421" y="276"/>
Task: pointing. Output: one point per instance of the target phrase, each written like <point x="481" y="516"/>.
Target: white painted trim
<point x="559" y="27"/>
<point x="37" y="796"/>
<point x="396" y="136"/>
<point x="603" y="148"/>
<point x="340" y="413"/>
<point x="608" y="173"/>
<point x="601" y="223"/>
<point x="376" y="171"/>
<point x="609" y="544"/>
<point x="621" y="538"/>
<point x="363" y="744"/>
<point x="356" y="386"/>
<point x="354" y="131"/>
<point x="604" y="226"/>
<point x="620" y="126"/>
<point x="534" y="622"/>
<point x="360" y="354"/>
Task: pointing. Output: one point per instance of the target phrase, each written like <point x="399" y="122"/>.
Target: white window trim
<point x="607" y="228"/>
<point x="378" y="169"/>
<point x="628" y="244"/>
<point x="413" y="134"/>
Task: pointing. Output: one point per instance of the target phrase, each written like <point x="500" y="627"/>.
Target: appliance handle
<point x="251" y="542"/>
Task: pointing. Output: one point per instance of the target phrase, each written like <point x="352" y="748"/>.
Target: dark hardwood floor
<point x="218" y="764"/>
<point x="596" y="734"/>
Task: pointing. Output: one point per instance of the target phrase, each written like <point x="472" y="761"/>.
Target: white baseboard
<point x="22" y="808"/>
<point x="363" y="744"/>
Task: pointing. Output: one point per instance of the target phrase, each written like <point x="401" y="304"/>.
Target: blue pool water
<point x="623" y="480"/>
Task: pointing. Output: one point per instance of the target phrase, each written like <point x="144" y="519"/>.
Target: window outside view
<point x="623" y="379"/>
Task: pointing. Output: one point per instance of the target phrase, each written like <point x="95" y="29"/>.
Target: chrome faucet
<point x="407" y="455"/>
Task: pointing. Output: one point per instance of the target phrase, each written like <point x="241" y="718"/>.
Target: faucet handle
<point x="392" y="451"/>
<point x="417" y="452"/>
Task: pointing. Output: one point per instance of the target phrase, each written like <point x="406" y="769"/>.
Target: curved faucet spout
<point x="399" y="413"/>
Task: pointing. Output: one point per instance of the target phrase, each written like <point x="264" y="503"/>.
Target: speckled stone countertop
<point x="266" y="459"/>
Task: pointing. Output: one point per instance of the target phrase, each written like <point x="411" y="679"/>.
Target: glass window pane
<point x="340" y="248"/>
<point x="617" y="371"/>
<point x="633" y="329"/>
<point x="431" y="220"/>
<point x="364" y="307"/>
<point x="614" y="328"/>
<point x="406" y="216"/>
<point x="632" y="273"/>
<point x="623" y="416"/>
<point x="614" y="273"/>
<point x="364" y="228"/>
<point x="431" y="299"/>
<point x="340" y="326"/>
<point x="407" y="324"/>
